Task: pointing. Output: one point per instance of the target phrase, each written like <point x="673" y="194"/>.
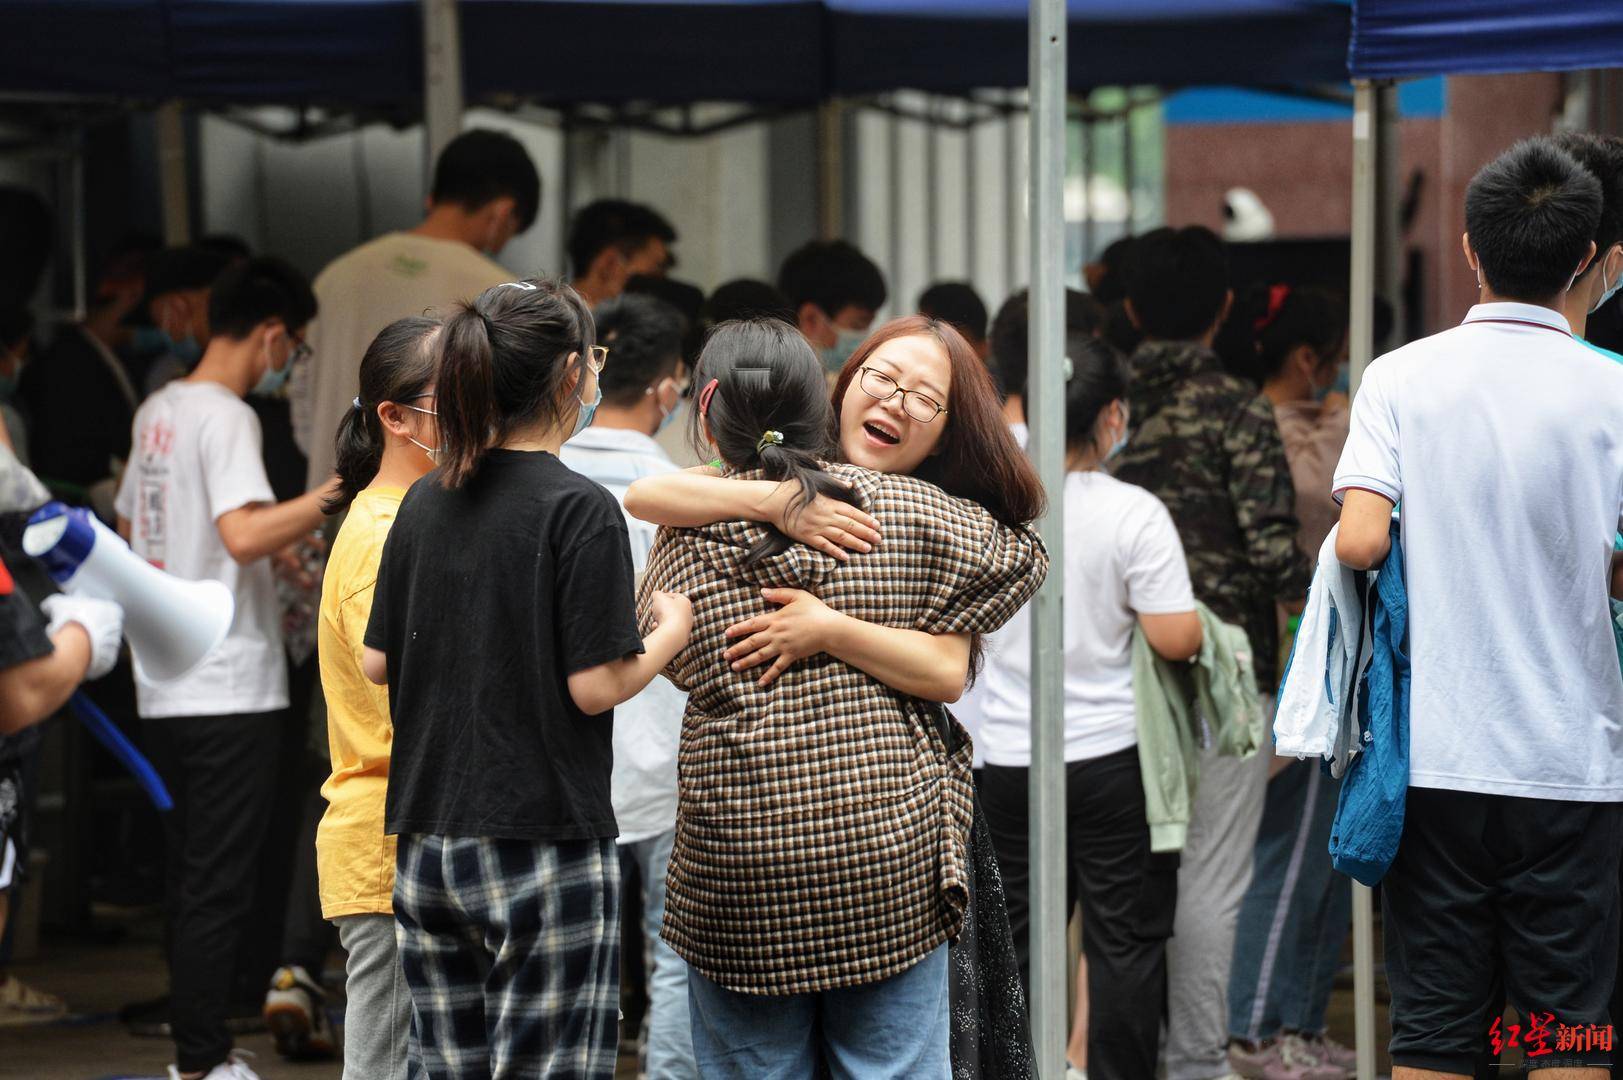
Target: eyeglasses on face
<point x="596" y="357"/>
<point x="916" y="404"/>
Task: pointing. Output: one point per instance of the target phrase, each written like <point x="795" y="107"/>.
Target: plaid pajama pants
<point x="511" y="949"/>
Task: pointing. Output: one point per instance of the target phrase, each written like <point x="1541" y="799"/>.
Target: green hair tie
<point x="770" y="438"/>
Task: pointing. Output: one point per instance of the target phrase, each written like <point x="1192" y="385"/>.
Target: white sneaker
<point x="232" y="1068"/>
<point x="1074" y="1073"/>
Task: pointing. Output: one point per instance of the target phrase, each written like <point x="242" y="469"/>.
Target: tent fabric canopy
<point x="790" y="52"/>
<point x="1394" y="39"/>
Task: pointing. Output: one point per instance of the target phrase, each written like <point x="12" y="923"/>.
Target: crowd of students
<point x="779" y="704"/>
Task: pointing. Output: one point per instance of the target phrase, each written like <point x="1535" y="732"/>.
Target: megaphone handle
<point x="108" y="734"/>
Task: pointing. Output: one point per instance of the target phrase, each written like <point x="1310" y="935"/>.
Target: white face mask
<point x="433" y="452"/>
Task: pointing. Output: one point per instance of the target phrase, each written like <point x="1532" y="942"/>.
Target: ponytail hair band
<point x="769" y="438"/>
<point x="706" y="394"/>
<point x="1276" y="300"/>
<point x="358" y="406"/>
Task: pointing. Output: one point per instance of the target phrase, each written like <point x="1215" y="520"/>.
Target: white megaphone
<point x="171" y="623"/>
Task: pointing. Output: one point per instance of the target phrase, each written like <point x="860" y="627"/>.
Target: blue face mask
<point x="665" y="421"/>
<point x="272" y="381"/>
<point x="846" y="342"/>
<point x="188" y="350"/>
<point x="583" y="419"/>
<point x="152" y="341"/>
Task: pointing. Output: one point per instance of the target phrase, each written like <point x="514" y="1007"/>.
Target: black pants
<point x="1128" y="897"/>
<point x="1492" y="897"/>
<point x="221" y="771"/>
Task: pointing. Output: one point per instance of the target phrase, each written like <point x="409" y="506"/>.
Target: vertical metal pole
<point x="974" y="272"/>
<point x="1389" y="228"/>
<point x="1089" y="149"/>
<point x="1360" y="351"/>
<point x="177" y="224"/>
<point x="893" y="176"/>
<point x="1045" y="411"/>
<point x="831" y="171"/>
<point x="442" y="80"/>
<point x="76" y="201"/>
<point x="1129" y="175"/>
<point x="932" y="193"/>
<point x="1012" y="202"/>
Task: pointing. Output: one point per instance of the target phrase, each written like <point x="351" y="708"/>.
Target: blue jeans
<point x="668" y="1047"/>
<point x="1296" y="913"/>
<point x="894" y="1029"/>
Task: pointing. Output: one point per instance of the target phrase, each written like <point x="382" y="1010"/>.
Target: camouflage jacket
<point x="1206" y="443"/>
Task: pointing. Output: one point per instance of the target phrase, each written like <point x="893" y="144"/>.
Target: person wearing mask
<point x="83" y="386"/>
<point x="835" y="291"/>
<point x="612" y="241"/>
<point x="957" y="303"/>
<point x="1602" y="157"/>
<point x="1297" y="910"/>
<point x="195" y="502"/>
<point x="1124" y="571"/>
<point x="811" y="892"/>
<point x="485" y="192"/>
<point x="386" y="443"/>
<point x="1206" y="443"/>
<point x="504" y="600"/>
<point x="1009" y="340"/>
<point x="177" y="301"/>
<point x="1506" y="429"/>
<point x="642" y="393"/>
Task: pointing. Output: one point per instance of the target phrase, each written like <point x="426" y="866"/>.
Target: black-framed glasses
<point x="301" y="349"/>
<point x="916" y="404"/>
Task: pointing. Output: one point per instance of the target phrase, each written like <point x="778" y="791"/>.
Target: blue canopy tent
<point x="1396" y="39"/>
<point x="368" y="53"/>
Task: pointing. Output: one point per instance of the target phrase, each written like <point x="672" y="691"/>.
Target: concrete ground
<point x="97" y="979"/>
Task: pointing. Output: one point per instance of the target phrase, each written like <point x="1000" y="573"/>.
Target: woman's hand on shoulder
<point x="829" y="525"/>
<point x="802" y="627"/>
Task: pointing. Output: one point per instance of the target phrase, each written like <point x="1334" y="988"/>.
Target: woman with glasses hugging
<point x="503" y="623"/>
<point x="820" y="861"/>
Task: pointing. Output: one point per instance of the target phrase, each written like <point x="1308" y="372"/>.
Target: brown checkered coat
<point x="821" y="828"/>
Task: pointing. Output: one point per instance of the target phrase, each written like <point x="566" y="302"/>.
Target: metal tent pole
<point x="177" y="222"/>
<point x="1360" y="347"/>
<point x="1045" y="411"/>
<point x="442" y="80"/>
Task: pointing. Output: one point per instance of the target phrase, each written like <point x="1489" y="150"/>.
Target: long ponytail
<point x="398" y="366"/>
<point x="504" y="360"/>
<point x="769" y="410"/>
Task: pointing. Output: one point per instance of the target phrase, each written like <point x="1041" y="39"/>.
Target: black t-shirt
<point x="487" y="599"/>
<point x="22" y="631"/>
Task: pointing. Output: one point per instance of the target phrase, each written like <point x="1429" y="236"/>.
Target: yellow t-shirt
<point x="354" y="858"/>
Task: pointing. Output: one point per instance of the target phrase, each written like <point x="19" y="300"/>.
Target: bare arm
<point x="1364" y="537"/>
<point x="375" y="665"/>
<point x="929" y="666"/>
<point x="1177" y="636"/>
<point x="35" y="689"/>
<point x="698" y="497"/>
<point x="255" y="531"/>
<point x="598" y="689"/>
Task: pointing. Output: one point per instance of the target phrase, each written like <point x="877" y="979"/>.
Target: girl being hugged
<point x="385" y="443"/>
<point x="504" y="625"/>
<point x="818" y="866"/>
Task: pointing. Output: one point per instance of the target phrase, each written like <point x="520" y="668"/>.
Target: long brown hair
<point x="977" y="457"/>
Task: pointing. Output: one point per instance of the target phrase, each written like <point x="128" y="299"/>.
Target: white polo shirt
<point x="1503" y="440"/>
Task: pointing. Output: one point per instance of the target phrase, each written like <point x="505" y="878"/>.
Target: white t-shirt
<point x="358" y="294"/>
<point x="970" y="709"/>
<point x="1122" y="559"/>
<point x="196" y="454"/>
<point x="1503" y="440"/>
<point x="647" y="728"/>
